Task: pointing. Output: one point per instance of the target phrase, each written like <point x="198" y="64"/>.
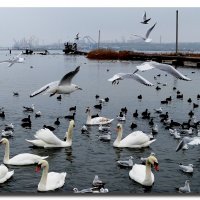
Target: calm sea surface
<point x="88" y="156"/>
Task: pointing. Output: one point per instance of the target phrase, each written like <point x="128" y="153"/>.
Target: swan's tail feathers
<point x="41" y="90"/>
<point x="44" y="157"/>
<point x="8" y="175"/>
<point x="151" y="141"/>
<point x="30" y="141"/>
<point x="109" y="121"/>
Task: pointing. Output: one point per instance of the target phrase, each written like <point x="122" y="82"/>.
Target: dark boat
<point x="71" y="48"/>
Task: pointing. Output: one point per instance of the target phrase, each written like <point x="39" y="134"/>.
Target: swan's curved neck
<point x="148" y="171"/>
<point x="88" y="117"/>
<point x="7" y="153"/>
<point x="69" y="134"/>
<point x="43" y="180"/>
<point x="119" y="137"/>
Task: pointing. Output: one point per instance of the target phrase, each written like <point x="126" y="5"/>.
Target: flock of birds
<point x="45" y="137"/>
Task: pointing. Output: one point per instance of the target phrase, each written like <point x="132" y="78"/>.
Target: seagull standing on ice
<point x="146" y="38"/>
<point x="145" y="20"/>
<point x="147" y="66"/>
<point x="16" y="59"/>
<point x="64" y="86"/>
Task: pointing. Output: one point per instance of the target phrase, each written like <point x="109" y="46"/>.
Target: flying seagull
<point x="16" y="59"/>
<point x="120" y="76"/>
<point x="146" y="38"/>
<point x="145" y="20"/>
<point x="147" y="66"/>
<point x="64" y="86"/>
<point x="163" y="67"/>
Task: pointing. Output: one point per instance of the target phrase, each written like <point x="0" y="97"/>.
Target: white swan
<point x="136" y="139"/>
<point x="64" y="86"/>
<point x="96" y="120"/>
<point x="46" y="138"/>
<point x="146" y="38"/>
<point x="16" y="59"/>
<point x="142" y="173"/>
<point x="20" y="159"/>
<point x="5" y="174"/>
<point x="49" y="180"/>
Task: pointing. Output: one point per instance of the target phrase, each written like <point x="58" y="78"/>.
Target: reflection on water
<point x="88" y="155"/>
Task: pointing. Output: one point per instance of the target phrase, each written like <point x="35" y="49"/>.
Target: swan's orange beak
<point x="37" y="169"/>
<point x="156" y="166"/>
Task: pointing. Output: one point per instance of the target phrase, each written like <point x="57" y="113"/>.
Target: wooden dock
<point x="180" y="59"/>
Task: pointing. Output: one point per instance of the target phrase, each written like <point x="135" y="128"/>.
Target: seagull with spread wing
<point x="16" y="59"/>
<point x="145" y="20"/>
<point x="146" y="38"/>
<point x="147" y="66"/>
<point x="64" y="86"/>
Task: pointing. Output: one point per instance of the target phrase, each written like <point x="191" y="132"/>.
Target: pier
<point x="181" y="59"/>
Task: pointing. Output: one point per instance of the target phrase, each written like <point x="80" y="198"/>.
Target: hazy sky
<point x="52" y="24"/>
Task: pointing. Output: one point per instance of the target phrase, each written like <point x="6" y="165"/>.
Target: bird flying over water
<point x="147" y="66"/>
<point x="145" y="20"/>
<point x="146" y="37"/>
<point x="16" y="59"/>
<point x="64" y="86"/>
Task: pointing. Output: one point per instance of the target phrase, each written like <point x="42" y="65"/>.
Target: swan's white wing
<point x="45" y="88"/>
<point x="149" y="31"/>
<point x="25" y="159"/>
<point x="3" y="171"/>
<point x="135" y="138"/>
<point x="47" y="136"/>
<point x="55" y="180"/>
<point x="66" y="80"/>
<point x="135" y="76"/>
<point x="164" y="67"/>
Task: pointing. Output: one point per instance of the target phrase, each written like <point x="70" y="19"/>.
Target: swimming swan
<point x="51" y="180"/>
<point x="5" y="174"/>
<point x="46" y="138"/>
<point x="136" y="139"/>
<point x="96" y="120"/>
<point x="142" y="173"/>
<point x="20" y="159"/>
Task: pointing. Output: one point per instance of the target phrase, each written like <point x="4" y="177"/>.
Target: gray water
<point x="88" y="156"/>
